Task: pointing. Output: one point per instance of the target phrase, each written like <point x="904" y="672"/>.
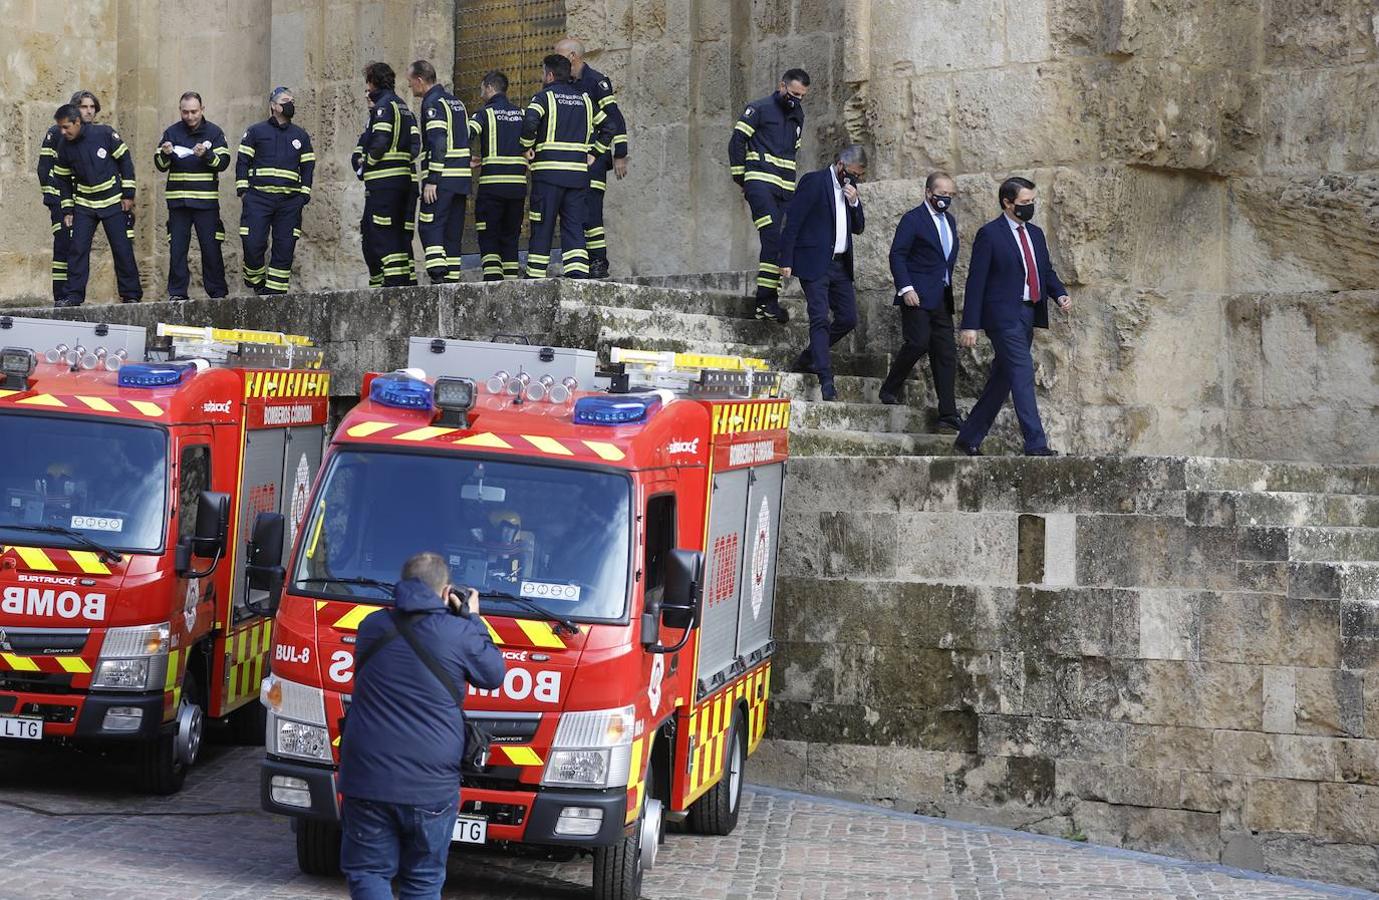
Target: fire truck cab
<point x="623" y="543"/>
<point x="130" y="470"/>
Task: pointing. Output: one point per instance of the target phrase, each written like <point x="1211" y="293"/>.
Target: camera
<point x="457" y="601"/>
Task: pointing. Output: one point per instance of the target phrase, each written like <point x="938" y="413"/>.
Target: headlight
<point x="592" y="749"/>
<point x="133" y="659"/>
<point x="299" y="739"/>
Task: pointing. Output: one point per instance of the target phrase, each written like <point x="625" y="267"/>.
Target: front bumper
<point x="320" y="782"/>
<point x="82" y="716"/>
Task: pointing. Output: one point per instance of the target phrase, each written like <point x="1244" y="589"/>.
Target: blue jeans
<point x="381" y="841"/>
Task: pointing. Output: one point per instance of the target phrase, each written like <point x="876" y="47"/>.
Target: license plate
<point x="23" y="729"/>
<point x="470" y="830"/>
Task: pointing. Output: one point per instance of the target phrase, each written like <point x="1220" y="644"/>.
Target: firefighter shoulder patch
<point x="379" y="112"/>
<point x="431" y="113"/>
<point x="606" y="86"/>
<point x="749" y="111"/>
<point x="296" y="144"/>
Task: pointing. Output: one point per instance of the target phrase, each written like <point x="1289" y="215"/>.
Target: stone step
<point x="737" y="284"/>
<point x="694" y="330"/>
<point x="1254" y="476"/>
<point x="1333" y="544"/>
<point x="1283" y="509"/>
<point x="867" y="443"/>
<point x="695" y="302"/>
<point x="841" y="416"/>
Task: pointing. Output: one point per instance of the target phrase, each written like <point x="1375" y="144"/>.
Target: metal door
<point x="301" y="461"/>
<point x="758" y="579"/>
<point x="722" y="584"/>
<point x="259" y="492"/>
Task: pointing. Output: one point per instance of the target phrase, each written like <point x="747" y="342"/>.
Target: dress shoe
<point x="1042" y="451"/>
<point x="67" y="302"/>
<point x="772" y="309"/>
<point x="948" y="424"/>
<point x="889" y="399"/>
<point x="177" y="298"/>
<point x="801" y="366"/>
<point x="827" y="391"/>
<point x="131" y="299"/>
<point x="967" y="449"/>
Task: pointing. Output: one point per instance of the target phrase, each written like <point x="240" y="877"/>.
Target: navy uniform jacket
<point x="563" y="127"/>
<point x="496" y="131"/>
<point x="996" y="278"/>
<point x="393" y="144"/>
<point x="917" y="258"/>
<point x="47" y="155"/>
<point x="405" y="737"/>
<point x="94" y="172"/>
<point x="276" y="160"/>
<point x="765" y="141"/>
<point x="806" y="238"/>
<point x="600" y="90"/>
<point x="193" y="181"/>
<point x="445" y="142"/>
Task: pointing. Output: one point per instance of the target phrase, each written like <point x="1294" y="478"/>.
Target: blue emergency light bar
<point x="400" y="392"/>
<point x="152" y="375"/>
<point x="624" y="410"/>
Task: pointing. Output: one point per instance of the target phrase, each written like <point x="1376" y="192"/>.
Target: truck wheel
<point x="248" y="724"/>
<point x="618" y="869"/>
<point x="318" y="847"/>
<point x="716" y="811"/>
<point x="163" y="763"/>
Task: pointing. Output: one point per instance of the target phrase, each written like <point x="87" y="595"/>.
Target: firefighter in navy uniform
<point x="600" y="90"/>
<point x="761" y="155"/>
<point x="94" y="176"/>
<point x="391" y="145"/>
<point x="560" y="138"/>
<point x="193" y="152"/>
<point x="273" y="174"/>
<point x="445" y="173"/>
<point x="62" y="235"/>
<point x="496" y="130"/>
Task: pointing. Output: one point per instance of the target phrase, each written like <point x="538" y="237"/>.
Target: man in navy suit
<point x="922" y="258"/>
<point x="816" y="247"/>
<point x="1009" y="286"/>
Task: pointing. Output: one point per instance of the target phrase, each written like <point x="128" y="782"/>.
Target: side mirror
<point x="263" y="570"/>
<point x="212" y="522"/>
<point x="681" y="603"/>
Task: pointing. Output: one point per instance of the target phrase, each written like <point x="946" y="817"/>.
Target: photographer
<point x="404" y="738"/>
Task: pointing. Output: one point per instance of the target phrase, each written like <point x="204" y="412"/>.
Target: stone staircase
<point x="710" y="314"/>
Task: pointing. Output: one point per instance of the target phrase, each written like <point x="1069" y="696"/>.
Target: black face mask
<point x="1024" y="211"/>
<point x="941" y="203"/>
<point x="289" y="110"/>
<point x="846" y="177"/>
<point x="789" y="101"/>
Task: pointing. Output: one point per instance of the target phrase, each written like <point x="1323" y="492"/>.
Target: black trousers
<point x="547" y="201"/>
<point x="767" y="203"/>
<point x="261" y="216"/>
<point x="595" y="237"/>
<point x="442" y="226"/>
<point x="119" y="231"/>
<point x="926" y="331"/>
<point x="498" y="223"/>
<point x="831" y="293"/>
<point x="387" y="240"/>
<point x="62" y="240"/>
<point x="210" y="233"/>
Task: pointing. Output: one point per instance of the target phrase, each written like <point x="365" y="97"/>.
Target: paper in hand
<point x="181" y="152"/>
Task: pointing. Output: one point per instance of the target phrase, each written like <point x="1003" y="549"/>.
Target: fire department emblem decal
<point x="299" y="486"/>
<point x="761" y="548"/>
<point x="192" y="602"/>
<point x="653" y="691"/>
<point x="296" y="144"/>
<point x="101" y="153"/>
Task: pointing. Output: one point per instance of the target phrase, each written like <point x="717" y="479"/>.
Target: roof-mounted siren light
<point x="454" y="397"/>
<point x="17" y="364"/>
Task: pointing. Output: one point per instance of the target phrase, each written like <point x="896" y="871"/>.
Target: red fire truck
<point x="623" y="542"/>
<point x="128" y="467"/>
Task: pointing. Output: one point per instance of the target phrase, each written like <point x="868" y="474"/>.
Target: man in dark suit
<point x="816" y="247"/>
<point x="1009" y="286"/>
<point x="922" y="258"/>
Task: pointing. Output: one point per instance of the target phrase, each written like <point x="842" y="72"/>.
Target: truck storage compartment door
<point x="301" y="461"/>
<point x="259" y="490"/>
<point x="722" y="584"/>
<point x="762" y="540"/>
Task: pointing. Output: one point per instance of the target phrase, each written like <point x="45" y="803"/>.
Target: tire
<point x="318" y="848"/>
<point x="248" y="724"/>
<point x="618" y="869"/>
<point x="162" y="764"/>
<point x="716" y="812"/>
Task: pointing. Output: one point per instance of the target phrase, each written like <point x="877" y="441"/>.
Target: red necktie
<point x="1031" y="272"/>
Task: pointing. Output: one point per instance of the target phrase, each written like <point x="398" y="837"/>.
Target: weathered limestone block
<point x="1309" y="32"/>
<point x="1278" y="805"/>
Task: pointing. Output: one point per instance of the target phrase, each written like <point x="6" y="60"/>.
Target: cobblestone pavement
<point x="71" y="827"/>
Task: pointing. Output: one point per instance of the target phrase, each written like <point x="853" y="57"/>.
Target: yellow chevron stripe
<point x="350" y="620"/>
<point x="547" y="445"/>
<point x="89" y="562"/>
<point x="492" y="632"/>
<point x="607" y="452"/>
<point x="522" y="756"/>
<point x="423" y="434"/>
<point x="365" y="429"/>
<point x="98" y="403"/>
<point x="35" y="558"/>
<point x="152" y="410"/>
<point x="41" y="400"/>
<point x="540" y="634"/>
<point x="74" y="665"/>
<point x="488" y="440"/>
<point x="19" y="663"/>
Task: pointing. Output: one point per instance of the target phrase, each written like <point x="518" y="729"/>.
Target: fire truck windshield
<point x="99" y="479"/>
<point x="555" y="536"/>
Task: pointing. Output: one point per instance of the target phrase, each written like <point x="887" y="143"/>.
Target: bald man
<point x="600" y="90"/>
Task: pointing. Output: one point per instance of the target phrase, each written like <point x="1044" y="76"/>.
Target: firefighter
<point x="89" y="106"/>
<point x="600" y="90"/>
<point x="193" y="152"/>
<point x="496" y="129"/>
<point x="94" y="175"/>
<point x="445" y="173"/>
<point x="761" y="156"/>
<point x="561" y="133"/>
<point x="391" y="147"/>
<point x="273" y="174"/>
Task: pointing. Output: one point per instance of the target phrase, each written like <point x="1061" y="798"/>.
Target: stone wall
<point x="1167" y="654"/>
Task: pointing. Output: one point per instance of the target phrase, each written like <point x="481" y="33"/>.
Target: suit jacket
<point x="806" y="239"/>
<point x="996" y="278"/>
<point x="917" y="258"/>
